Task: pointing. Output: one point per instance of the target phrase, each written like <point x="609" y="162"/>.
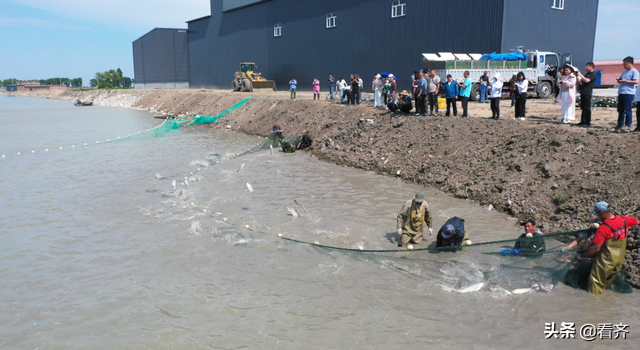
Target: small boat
<point x="164" y="116"/>
<point x="83" y="104"/>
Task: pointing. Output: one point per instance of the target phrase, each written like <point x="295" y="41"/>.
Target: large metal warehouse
<point x="306" y="39"/>
<point x="160" y="59"/>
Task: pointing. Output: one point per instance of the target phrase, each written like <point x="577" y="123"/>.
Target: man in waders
<point x="411" y="219"/>
<point x="453" y="234"/>
<point x="531" y="242"/>
<point x="609" y="247"/>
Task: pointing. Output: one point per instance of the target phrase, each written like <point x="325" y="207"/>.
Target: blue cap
<point x="601" y="206"/>
<point x="448" y="231"/>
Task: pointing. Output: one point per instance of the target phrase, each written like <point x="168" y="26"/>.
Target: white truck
<point x="535" y="69"/>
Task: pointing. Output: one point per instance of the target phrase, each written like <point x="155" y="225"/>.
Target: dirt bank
<point x="529" y="169"/>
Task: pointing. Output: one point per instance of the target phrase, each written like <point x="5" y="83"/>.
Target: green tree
<point x="93" y="82"/>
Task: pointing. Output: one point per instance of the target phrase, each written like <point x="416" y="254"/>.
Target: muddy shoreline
<point x="528" y="169"/>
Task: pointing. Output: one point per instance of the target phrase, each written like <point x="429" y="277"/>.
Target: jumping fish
<point x="159" y="177"/>
<point x="301" y="206"/>
<point x="293" y="212"/>
<point x="186" y="183"/>
<point x="173" y="183"/>
<point x="270" y="149"/>
<point x="240" y="168"/>
<point x="249" y="188"/>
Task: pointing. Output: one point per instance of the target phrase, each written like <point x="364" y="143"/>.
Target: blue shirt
<point x="466" y="92"/>
<point x="332" y="82"/>
<point x="628" y="89"/>
<point x="423" y="86"/>
<point x="452" y="89"/>
<point x="293" y="83"/>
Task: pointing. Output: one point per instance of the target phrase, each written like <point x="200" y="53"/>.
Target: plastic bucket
<point x="442" y="103"/>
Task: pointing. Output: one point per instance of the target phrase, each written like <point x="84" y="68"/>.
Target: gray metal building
<point x="160" y="59"/>
<point x="308" y="39"/>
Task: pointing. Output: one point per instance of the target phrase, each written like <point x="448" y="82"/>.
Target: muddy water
<point x="97" y="252"/>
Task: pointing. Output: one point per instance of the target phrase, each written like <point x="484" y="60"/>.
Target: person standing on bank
<point x="355" y="91"/>
<point x="411" y="219"/>
<point x="626" y="90"/>
<point x="522" y="85"/>
<point x="567" y="97"/>
<point x="293" y="84"/>
<point x="316" y="89"/>
<point x="377" y="86"/>
<point x="496" y="95"/>
<point x="433" y="88"/>
<point x="452" y="91"/>
<point x="465" y="93"/>
<point x="609" y="247"/>
<point x="332" y="85"/>
<point x="421" y="96"/>
<point x="586" y="91"/>
<point x="484" y="86"/>
<point x="637" y="110"/>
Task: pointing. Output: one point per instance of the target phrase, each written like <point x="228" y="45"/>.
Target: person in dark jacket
<point x="532" y="241"/>
<point x="453" y="234"/>
<point x="452" y="91"/>
<point x="305" y="140"/>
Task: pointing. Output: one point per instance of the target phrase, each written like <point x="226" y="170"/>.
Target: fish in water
<point x="159" y="177"/>
<point x="472" y="288"/>
<point x="521" y="290"/>
<point x="541" y="287"/>
<point x="293" y="212"/>
<point x="240" y="168"/>
<point x="249" y="188"/>
<point x="270" y="149"/>
<point x="301" y="206"/>
<point x="173" y="183"/>
<point x="186" y="183"/>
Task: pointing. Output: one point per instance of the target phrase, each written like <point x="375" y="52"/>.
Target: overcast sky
<point x="76" y="38"/>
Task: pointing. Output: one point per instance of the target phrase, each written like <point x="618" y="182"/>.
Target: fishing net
<point x="497" y="266"/>
<point x="578" y="276"/>
<point x="200" y="120"/>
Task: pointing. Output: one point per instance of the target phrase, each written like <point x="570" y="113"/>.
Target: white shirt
<point x="522" y="86"/>
<point x="496" y="89"/>
<point x="342" y="85"/>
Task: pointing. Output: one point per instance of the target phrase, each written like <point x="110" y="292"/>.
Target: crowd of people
<point x="427" y="87"/>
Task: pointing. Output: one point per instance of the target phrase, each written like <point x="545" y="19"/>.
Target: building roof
<point x="198" y="19"/>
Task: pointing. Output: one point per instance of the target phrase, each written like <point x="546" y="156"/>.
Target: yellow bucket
<point x="442" y="103"/>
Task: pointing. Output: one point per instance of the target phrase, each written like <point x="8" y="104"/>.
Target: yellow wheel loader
<point x="247" y="79"/>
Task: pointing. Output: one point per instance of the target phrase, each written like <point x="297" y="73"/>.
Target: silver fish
<point x="173" y="183"/>
<point x="293" y="212"/>
<point x="249" y="188"/>
<point x="240" y="168"/>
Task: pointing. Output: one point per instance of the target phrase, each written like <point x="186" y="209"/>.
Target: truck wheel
<point x="234" y="85"/>
<point x="475" y="92"/>
<point x="246" y="85"/>
<point x="544" y="90"/>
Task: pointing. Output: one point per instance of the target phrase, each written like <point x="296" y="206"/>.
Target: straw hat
<point x="404" y="92"/>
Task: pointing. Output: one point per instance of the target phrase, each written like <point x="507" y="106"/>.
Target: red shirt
<point x="605" y="232"/>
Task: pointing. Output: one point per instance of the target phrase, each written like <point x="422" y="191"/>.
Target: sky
<point x="42" y="39"/>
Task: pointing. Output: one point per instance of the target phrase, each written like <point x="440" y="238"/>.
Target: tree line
<point x="111" y="79"/>
<point x="75" y="82"/>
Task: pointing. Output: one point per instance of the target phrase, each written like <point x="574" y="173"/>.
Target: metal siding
<point x="160" y="56"/>
<point x="535" y="25"/>
<point x="366" y="40"/>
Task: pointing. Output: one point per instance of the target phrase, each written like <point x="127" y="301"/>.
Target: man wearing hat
<point x="484" y="86"/>
<point x="404" y="102"/>
<point x="531" y="242"/>
<point x="453" y="234"/>
<point x="609" y="247"/>
<point x="411" y="219"/>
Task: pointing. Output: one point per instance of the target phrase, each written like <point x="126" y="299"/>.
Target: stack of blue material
<point x="512" y="56"/>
